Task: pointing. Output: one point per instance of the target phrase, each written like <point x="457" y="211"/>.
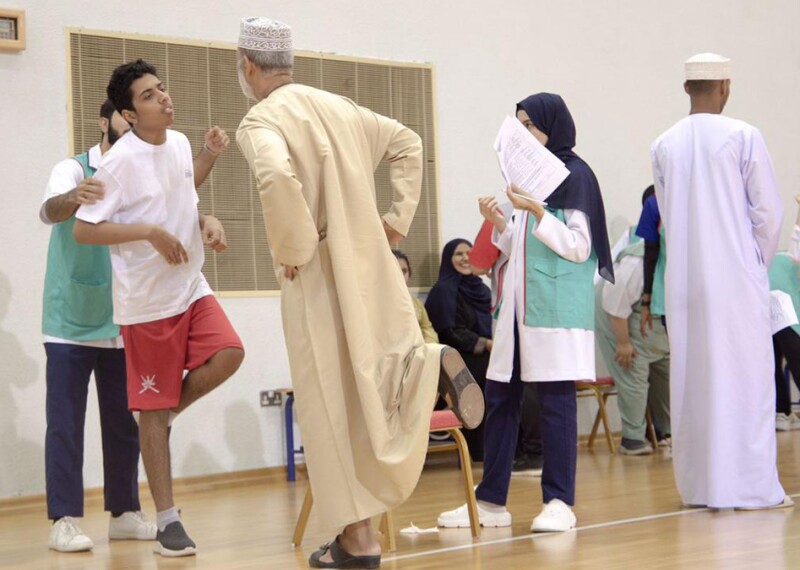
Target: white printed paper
<point x="781" y="309"/>
<point x="525" y="162"/>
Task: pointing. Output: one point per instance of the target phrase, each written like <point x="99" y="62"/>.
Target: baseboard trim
<point x="202" y="483"/>
<point x="180" y="485"/>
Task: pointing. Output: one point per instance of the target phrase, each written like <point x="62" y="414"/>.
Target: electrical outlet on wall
<point x="271" y="398"/>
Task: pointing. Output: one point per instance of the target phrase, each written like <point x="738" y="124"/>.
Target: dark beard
<point x="113" y="135"/>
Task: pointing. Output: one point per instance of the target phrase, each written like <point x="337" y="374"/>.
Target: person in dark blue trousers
<point x="504" y="403"/>
<point x="80" y="338"/>
<point x="544" y="330"/>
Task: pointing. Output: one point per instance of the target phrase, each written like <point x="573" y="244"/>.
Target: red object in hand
<point x="484" y="254"/>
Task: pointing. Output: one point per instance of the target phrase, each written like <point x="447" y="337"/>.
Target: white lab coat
<point x="546" y="354"/>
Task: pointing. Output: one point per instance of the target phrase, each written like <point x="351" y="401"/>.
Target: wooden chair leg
<point x="651" y="428"/>
<point x="302" y="520"/>
<point x="597" y="417"/>
<point x="606" y="427"/>
<point x="469" y="483"/>
<point x="387" y="529"/>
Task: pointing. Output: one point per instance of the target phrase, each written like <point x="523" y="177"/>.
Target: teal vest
<point x="783" y="276"/>
<point x="558" y="293"/>
<point x="77" y="285"/>
<point x="657" y="303"/>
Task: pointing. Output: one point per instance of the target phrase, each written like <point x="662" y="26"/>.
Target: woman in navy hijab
<point x="544" y="332"/>
<point x="459" y="306"/>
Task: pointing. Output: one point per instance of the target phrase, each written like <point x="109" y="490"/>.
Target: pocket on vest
<point x="88" y="305"/>
<point x="546" y="291"/>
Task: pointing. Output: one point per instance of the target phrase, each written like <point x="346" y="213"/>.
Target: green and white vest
<point x="558" y="293"/>
<point x="77" y="286"/>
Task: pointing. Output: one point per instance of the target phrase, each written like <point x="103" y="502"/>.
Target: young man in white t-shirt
<point x="168" y="317"/>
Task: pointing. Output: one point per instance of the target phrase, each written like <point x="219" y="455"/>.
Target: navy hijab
<point x="580" y="190"/>
<point x="441" y="301"/>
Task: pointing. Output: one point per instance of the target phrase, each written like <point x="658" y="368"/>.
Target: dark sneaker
<point x="528" y="466"/>
<point x="459" y="389"/>
<point x="635" y="447"/>
<point x="173" y="541"/>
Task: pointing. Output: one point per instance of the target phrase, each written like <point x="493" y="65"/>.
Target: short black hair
<point x="400" y="255"/>
<point x="649" y="191"/>
<point x="702" y="86"/>
<point x="119" y="88"/>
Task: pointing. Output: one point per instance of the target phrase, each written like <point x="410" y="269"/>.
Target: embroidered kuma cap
<point x="263" y="34"/>
<point x="707" y="66"/>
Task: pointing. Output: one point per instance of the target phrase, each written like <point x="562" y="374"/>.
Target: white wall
<point x="617" y="63"/>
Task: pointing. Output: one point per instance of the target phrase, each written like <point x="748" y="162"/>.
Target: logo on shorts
<point x="148" y="383"/>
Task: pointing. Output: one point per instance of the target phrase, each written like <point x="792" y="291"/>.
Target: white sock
<point x="172" y="416"/>
<point x="163" y="518"/>
<point x="491" y="507"/>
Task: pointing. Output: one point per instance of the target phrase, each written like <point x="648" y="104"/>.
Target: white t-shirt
<point x="148" y="183"/>
<point x="65" y="176"/>
<point x="620" y="297"/>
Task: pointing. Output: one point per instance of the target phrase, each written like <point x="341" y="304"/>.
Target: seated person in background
<point x="459" y="306"/>
<point x="639" y="364"/>
<point x="783" y="276"/>
<point x="425" y="325"/>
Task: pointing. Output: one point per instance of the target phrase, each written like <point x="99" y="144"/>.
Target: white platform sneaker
<point x="132" y="525"/>
<point x="67" y="536"/>
<point x="556" y="516"/>
<point x="787" y="422"/>
<point x="459" y="518"/>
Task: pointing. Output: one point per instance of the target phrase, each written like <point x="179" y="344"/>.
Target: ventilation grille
<point x="204" y="87"/>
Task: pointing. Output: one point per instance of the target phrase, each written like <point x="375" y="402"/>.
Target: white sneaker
<point x="67" y="536"/>
<point x="459" y="518"/>
<point x="794" y="421"/>
<point x="132" y="525"/>
<point x="556" y="516"/>
<point x="783" y="422"/>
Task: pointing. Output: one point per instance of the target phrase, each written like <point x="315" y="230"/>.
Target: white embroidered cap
<point x="263" y="34"/>
<point x="707" y="66"/>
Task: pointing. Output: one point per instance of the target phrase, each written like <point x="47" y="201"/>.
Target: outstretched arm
<point x="111" y="233"/>
<point x="216" y="142"/>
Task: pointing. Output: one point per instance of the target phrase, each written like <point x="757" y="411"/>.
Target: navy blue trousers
<point x="69" y="368"/>
<point x="559" y="431"/>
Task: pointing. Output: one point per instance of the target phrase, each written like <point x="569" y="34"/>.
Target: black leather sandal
<point x="342" y="558"/>
<point x="459" y="389"/>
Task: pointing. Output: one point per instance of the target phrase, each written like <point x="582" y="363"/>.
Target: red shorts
<point x="158" y="352"/>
